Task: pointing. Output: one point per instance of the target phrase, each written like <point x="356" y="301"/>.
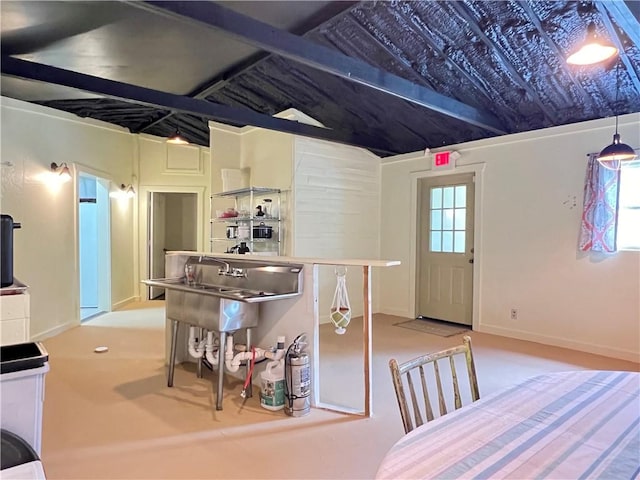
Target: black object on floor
<point x="14" y="450"/>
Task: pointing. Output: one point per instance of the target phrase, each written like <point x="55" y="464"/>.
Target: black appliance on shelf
<point x="7" y="225"/>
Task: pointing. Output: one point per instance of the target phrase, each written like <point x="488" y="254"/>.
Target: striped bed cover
<point x="568" y="425"/>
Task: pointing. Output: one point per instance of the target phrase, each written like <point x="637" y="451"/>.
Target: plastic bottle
<point x="272" y="386"/>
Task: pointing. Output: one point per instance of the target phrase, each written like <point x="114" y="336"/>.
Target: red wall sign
<point x="442" y="159"/>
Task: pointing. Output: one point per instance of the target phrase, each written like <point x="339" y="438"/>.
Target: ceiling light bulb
<point x="592" y="53"/>
<point x="177" y="139"/>
<point x="593" y="50"/>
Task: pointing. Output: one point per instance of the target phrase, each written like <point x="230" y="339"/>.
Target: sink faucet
<point x="224" y="270"/>
<point x="237" y="272"/>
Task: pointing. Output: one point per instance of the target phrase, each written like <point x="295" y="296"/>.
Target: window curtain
<point x="600" y="208"/>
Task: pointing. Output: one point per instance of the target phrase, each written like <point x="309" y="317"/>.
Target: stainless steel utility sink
<point x="223" y="295"/>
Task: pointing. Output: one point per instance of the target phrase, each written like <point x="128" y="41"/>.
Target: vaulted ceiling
<point x="390" y="76"/>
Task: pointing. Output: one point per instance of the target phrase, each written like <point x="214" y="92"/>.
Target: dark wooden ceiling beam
<point x="506" y="63"/>
<point x="322" y="58"/>
<point x="332" y="11"/>
<point x="631" y="27"/>
<point x="222" y="113"/>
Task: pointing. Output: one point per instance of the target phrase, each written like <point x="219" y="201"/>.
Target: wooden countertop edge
<point x="306" y="260"/>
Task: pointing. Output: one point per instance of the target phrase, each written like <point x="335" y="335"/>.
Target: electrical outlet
<point x="514" y="314"/>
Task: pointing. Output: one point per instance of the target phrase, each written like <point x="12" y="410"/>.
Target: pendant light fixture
<point x="593" y="49"/>
<point x="616" y="155"/>
<point x="177" y="138"/>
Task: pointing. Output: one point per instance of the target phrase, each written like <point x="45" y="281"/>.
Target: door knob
<point x="471" y="260"/>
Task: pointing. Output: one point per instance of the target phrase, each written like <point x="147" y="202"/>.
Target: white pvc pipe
<point x="196" y="349"/>
<point x="211" y="353"/>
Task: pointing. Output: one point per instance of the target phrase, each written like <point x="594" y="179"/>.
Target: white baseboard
<point x="396" y="312"/>
<point x="562" y="342"/>
<point x="125" y="302"/>
<point x="52" y="332"/>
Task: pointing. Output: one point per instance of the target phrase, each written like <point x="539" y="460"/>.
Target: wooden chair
<point x="398" y="371"/>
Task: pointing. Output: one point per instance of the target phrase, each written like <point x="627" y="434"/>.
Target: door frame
<point x="104" y="246"/>
<point x="143" y="225"/>
<point x="478" y="170"/>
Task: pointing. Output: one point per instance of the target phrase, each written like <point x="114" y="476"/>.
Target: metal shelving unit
<point x="229" y="231"/>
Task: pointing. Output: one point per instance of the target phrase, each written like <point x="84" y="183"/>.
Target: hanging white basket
<point x="340" y="307"/>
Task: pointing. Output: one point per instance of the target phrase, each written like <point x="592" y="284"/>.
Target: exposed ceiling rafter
<point x="631" y="27"/>
<point x="556" y="50"/>
<point x="213" y="85"/>
<point x="319" y="57"/>
<point x="460" y="9"/>
<point x="231" y="115"/>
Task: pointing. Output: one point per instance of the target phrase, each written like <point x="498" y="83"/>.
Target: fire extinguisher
<point x="297" y="379"/>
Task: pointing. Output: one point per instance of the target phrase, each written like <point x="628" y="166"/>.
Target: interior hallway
<point x="111" y="415"/>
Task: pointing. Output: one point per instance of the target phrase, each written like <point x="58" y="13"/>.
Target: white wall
<point x="330" y="195"/>
<point x="171" y="168"/>
<point x="46" y="248"/>
<point x="265" y="156"/>
<point x="337" y="212"/>
<point x="528" y="257"/>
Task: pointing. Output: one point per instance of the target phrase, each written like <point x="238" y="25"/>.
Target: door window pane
<point x="436" y="243"/>
<point x="458" y="242"/>
<point x="448" y="219"/>
<point x="436" y="219"/>
<point x="436" y="198"/>
<point x="461" y="196"/>
<point x="460" y="218"/>
<point x="447" y="200"/>
<point x="447" y="241"/>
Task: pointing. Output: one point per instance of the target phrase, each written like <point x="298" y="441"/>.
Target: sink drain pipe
<point x="196" y="348"/>
<point x="233" y="361"/>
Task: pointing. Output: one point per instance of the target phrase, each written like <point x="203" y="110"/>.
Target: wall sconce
<point x="62" y="170"/>
<point x="123" y="191"/>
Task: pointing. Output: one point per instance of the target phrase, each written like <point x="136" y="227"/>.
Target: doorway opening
<point x="445" y="248"/>
<point x="94" y="254"/>
<point x="172" y="226"/>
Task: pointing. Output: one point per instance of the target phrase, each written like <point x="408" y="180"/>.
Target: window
<point x="628" y="233"/>
<point x="448" y="219"/>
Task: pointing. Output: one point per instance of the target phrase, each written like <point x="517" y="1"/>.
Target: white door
<point x="445" y="248"/>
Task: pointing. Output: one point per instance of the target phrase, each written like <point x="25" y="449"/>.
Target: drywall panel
<point x="531" y="210"/>
<point x="46" y="247"/>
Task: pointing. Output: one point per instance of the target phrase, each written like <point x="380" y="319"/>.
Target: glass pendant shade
<point x="593" y="50"/>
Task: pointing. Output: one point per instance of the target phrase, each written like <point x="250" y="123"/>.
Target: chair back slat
<point x="442" y="406"/>
<point x="457" y="399"/>
<point x="425" y="391"/>
<point x="401" y="375"/>
<point x="414" y="401"/>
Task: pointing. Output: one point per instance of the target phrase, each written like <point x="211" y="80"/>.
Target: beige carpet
<point x="112" y="416"/>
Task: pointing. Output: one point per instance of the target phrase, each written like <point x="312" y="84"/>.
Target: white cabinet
<point x="14" y="318"/>
<point x="247" y="220"/>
